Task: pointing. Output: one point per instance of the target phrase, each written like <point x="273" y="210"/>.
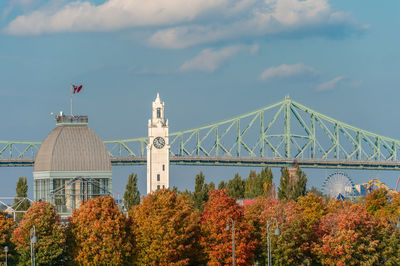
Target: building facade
<point x="72" y="165"/>
<point x="157" y="148"/>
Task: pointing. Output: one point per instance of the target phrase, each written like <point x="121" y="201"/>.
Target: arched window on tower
<point x="158" y="112"/>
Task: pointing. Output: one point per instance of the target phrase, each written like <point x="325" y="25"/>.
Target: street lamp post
<point x="33" y="242"/>
<point x="277" y="233"/>
<point x="6" y="251"/>
<point x="233" y="239"/>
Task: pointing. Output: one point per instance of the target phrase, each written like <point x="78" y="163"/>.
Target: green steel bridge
<point x="281" y="134"/>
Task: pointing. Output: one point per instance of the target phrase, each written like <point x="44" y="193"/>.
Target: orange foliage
<point x="50" y="249"/>
<point x="166" y="229"/>
<point x="216" y="240"/>
<point x="348" y="237"/>
<point x="100" y="234"/>
<point x="6" y="228"/>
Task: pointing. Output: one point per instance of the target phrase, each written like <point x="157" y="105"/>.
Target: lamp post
<point x="33" y="242"/>
<point x="277" y="233"/>
<point x="6" y="251"/>
<point x="233" y="239"/>
<point x="398" y="223"/>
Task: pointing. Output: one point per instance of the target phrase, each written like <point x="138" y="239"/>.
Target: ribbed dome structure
<point x="71" y="166"/>
<point x="72" y="147"/>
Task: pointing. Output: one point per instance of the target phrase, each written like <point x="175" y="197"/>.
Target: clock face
<point x="159" y="142"/>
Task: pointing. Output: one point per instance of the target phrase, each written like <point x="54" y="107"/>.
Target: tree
<point x="260" y="184"/>
<point x="292" y="184"/>
<point x="222" y="185"/>
<point x="201" y="190"/>
<point x="21" y="204"/>
<point x="216" y="240"/>
<point x="50" y="248"/>
<point x="7" y="226"/>
<point x="166" y="229"/>
<point x="253" y="214"/>
<point x="378" y="202"/>
<point x="293" y="245"/>
<point x="315" y="191"/>
<point x="131" y="195"/>
<point x="99" y="234"/>
<point x="348" y="237"/>
<point x="236" y="187"/>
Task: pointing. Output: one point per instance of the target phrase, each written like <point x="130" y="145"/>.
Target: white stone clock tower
<point x="157" y="149"/>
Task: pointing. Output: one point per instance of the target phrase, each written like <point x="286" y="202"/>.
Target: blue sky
<point x="209" y="60"/>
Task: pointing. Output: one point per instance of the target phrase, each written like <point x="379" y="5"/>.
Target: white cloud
<point x="225" y="19"/>
<point x="111" y="15"/>
<point x="270" y="18"/>
<point x="286" y="71"/>
<point x="208" y="60"/>
<point x="331" y="84"/>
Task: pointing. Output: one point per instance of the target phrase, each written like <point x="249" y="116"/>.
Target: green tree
<point x="51" y="246"/>
<point x="259" y="184"/>
<point x="21" y="203"/>
<point x="131" y="195"/>
<point x="166" y="229"/>
<point x="292" y="184"/>
<point x="236" y="187"/>
<point x="222" y="185"/>
<point x="201" y="190"/>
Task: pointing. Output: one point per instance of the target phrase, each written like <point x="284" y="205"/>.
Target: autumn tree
<point x="216" y="240"/>
<point x="293" y="245"/>
<point x="259" y="184"/>
<point x="348" y="237"/>
<point x="235" y="187"/>
<point x="166" y="229"/>
<point x="99" y="234"/>
<point x="131" y="195"/>
<point x="389" y="246"/>
<point x="201" y="190"/>
<point x="253" y="215"/>
<point x="292" y="184"/>
<point x="50" y="248"/>
<point x="21" y="204"/>
<point x="378" y="201"/>
<point x="7" y="226"/>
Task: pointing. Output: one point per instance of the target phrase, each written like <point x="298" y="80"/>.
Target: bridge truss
<point x="279" y="135"/>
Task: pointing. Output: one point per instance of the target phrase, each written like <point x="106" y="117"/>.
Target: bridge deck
<point x="234" y="161"/>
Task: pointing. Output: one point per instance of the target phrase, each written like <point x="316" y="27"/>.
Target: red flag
<point x="77" y="88"/>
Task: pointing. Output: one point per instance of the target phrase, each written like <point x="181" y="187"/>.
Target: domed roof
<point x="72" y="147"/>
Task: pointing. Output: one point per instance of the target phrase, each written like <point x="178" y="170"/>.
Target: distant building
<point x="157" y="148"/>
<point x="72" y="165"/>
<point x="360" y="189"/>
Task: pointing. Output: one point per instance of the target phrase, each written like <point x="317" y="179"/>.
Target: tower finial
<point x="158" y="98"/>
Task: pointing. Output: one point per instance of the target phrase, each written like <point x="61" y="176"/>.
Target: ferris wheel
<point x="337" y="185"/>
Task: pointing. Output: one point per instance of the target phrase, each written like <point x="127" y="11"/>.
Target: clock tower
<point x="157" y="149"/>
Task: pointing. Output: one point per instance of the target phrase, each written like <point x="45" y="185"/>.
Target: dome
<point x="72" y="147"/>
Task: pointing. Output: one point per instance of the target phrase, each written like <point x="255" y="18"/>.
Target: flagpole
<point x="71" y="100"/>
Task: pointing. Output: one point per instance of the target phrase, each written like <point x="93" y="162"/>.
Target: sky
<point x="210" y="60"/>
